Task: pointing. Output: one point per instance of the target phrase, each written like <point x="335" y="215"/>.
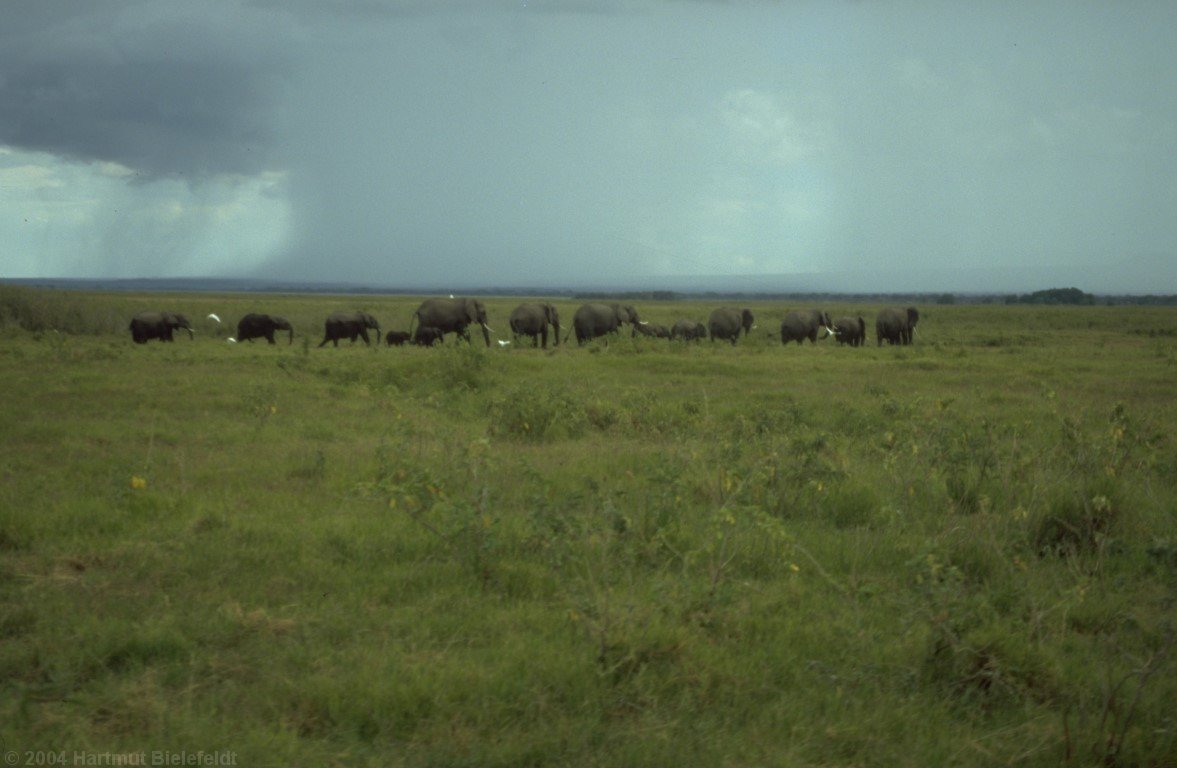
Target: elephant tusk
<point x="214" y="317"/>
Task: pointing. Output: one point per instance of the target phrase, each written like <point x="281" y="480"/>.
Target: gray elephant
<point x="896" y="325"/>
<point x="850" y="330"/>
<point x="157" y="325"/>
<point x="533" y="320"/>
<point x="396" y="338"/>
<point x="349" y="325"/>
<point x="726" y="323"/>
<point x="804" y="324"/>
<point x="427" y="336"/>
<point x="651" y="330"/>
<point x="593" y="320"/>
<point x="451" y="316"/>
<point x="259" y="326"/>
<point x="688" y="330"/>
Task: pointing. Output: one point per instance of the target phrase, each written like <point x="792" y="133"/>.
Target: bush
<point x="1077" y="522"/>
<point x="534" y="413"/>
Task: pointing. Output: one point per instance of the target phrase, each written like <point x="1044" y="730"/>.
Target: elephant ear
<point x="471" y="308"/>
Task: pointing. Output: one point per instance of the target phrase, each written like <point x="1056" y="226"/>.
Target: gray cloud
<point x="161" y="88"/>
<point x="893" y="144"/>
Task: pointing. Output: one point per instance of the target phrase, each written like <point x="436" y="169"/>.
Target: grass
<point x="640" y="553"/>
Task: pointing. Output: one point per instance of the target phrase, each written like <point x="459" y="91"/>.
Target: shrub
<point x="535" y="413"/>
<point x="1077" y="522"/>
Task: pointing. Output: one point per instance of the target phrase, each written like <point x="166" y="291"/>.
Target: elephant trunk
<point x="377" y="336"/>
<point x="291" y="329"/>
<point x="191" y="333"/>
<point x="556" y="327"/>
<point x="485" y="334"/>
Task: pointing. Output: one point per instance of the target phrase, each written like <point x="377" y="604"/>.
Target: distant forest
<point x="1078" y="297"/>
<point x="1054" y="296"/>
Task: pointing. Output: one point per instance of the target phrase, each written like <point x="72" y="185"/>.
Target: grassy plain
<point x="962" y="552"/>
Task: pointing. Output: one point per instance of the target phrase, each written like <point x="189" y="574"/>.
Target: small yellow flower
<point x="273" y="409"/>
<point x="138" y="483"/>
<point x="794" y="568"/>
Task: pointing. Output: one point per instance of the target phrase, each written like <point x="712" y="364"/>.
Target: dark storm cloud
<point x="161" y="88"/>
<point x="563" y="142"/>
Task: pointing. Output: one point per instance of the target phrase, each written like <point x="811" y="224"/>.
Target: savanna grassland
<point x="961" y="552"/>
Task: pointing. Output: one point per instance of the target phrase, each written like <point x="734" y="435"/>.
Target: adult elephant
<point x="804" y="324"/>
<point x="157" y="325"/>
<point x="259" y="326"/>
<point x="726" y="323"/>
<point x="850" y="330"/>
<point x="896" y="325"/>
<point x="349" y="325"/>
<point x="688" y="330"/>
<point x="451" y="316"/>
<point x="533" y="320"/>
<point x="593" y="320"/>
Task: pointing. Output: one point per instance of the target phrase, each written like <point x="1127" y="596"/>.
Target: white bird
<point x="503" y="343"/>
<point x="214" y="317"/>
<point x="232" y="340"/>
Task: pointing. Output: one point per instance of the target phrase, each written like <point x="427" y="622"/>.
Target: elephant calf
<point x="688" y="330"/>
<point x="427" y="336"/>
<point x="396" y="338"/>
<point x="653" y="330"/>
<point x="259" y="326"/>
<point x="850" y="330"/>
<point x="157" y="325"/>
<point x="349" y="325"/>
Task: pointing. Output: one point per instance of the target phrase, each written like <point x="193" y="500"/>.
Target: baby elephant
<point x="396" y="338"/>
<point x="427" y="336"/>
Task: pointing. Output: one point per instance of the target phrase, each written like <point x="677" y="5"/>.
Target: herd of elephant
<point x="437" y="317"/>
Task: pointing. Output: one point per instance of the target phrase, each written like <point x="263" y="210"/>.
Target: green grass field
<point x="961" y="552"/>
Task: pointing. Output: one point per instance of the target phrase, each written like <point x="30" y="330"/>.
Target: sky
<point x="839" y="146"/>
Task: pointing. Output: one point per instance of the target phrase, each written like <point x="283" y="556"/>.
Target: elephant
<point x="726" y="323"/>
<point x="396" y="338"/>
<point x="452" y="316"/>
<point x="896" y="325"/>
<point x="800" y="325"/>
<point x="257" y="326"/>
<point x="349" y="325"/>
<point x="688" y="330"/>
<point x="533" y="320"/>
<point x="157" y="325"/>
<point x="850" y="330"/>
<point x="427" y="336"/>
<point x="593" y="320"/>
<point x="652" y="330"/>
